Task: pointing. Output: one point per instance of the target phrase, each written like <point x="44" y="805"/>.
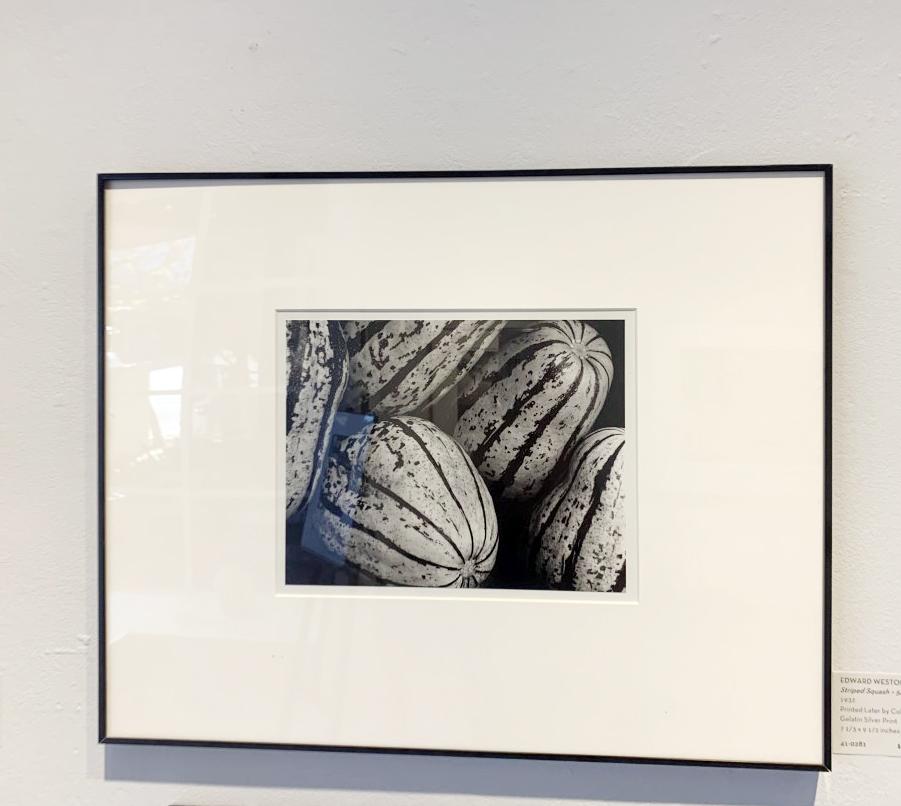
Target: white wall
<point x="121" y="86"/>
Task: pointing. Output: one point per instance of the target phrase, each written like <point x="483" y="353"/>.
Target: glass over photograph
<point x="467" y="453"/>
<point x="366" y="437"/>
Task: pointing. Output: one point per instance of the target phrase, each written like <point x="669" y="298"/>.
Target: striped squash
<point x="525" y="406"/>
<point x="316" y="378"/>
<point x="576" y="530"/>
<point x="402" y="503"/>
<point x="402" y="366"/>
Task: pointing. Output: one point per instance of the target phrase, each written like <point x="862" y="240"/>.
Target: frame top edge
<point x="104" y="178"/>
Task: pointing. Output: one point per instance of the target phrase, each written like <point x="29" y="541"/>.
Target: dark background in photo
<point x="309" y="562"/>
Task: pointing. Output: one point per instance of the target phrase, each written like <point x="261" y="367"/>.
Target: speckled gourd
<point x="402" y="366"/>
<point x="316" y="378"/>
<point x="402" y="502"/>
<point x="524" y="406"/>
<point x="576" y="532"/>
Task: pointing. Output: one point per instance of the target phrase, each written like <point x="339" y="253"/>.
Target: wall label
<point x="866" y="713"/>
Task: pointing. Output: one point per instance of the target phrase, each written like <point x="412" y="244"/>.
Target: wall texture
<point x="103" y="86"/>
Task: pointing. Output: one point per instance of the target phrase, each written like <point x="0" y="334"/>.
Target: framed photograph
<point x="513" y="463"/>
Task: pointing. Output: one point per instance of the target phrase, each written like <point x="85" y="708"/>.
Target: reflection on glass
<point x="146" y="296"/>
<point x="167" y="379"/>
<point x="167" y="409"/>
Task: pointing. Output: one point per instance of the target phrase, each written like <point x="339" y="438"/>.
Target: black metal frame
<point x="825" y="170"/>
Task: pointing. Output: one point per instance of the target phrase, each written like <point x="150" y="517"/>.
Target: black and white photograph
<point x="468" y="453"/>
